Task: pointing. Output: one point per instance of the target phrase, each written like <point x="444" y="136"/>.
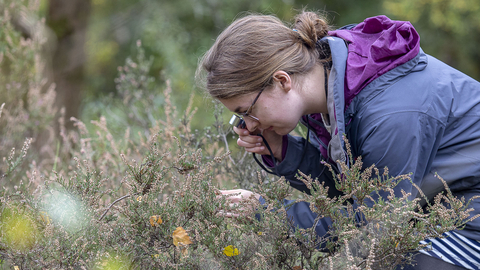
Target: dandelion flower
<point x="231" y="251"/>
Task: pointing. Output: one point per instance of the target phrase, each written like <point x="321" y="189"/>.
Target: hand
<point x="255" y="144"/>
<point x="237" y="198"/>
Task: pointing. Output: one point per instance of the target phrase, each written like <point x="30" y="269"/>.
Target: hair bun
<point x="310" y="28"/>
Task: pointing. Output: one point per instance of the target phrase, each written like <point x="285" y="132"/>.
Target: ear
<point x="283" y="79"/>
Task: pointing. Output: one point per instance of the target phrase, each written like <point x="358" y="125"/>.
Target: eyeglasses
<point x="249" y="110"/>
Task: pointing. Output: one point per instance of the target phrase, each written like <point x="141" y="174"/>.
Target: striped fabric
<point x="455" y="249"/>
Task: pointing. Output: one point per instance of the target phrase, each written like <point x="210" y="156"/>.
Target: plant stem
<point x="117" y="200"/>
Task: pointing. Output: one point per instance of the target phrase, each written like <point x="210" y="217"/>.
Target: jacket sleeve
<point x="404" y="141"/>
<point x="305" y="157"/>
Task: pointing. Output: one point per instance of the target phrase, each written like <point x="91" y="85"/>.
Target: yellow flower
<point x="139" y="199"/>
<point x="260" y="233"/>
<point x="155" y="220"/>
<point x="180" y="237"/>
<point x="16" y="267"/>
<point x="230" y="251"/>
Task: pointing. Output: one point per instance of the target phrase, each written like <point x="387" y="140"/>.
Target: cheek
<point x="288" y="115"/>
<point x="285" y="120"/>
<point x="280" y="115"/>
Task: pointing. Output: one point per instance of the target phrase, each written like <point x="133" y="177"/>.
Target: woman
<point x="398" y="106"/>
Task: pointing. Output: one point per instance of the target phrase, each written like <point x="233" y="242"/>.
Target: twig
<point x="224" y="137"/>
<point x="117" y="200"/>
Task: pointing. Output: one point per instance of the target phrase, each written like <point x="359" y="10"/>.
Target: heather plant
<point x="26" y="97"/>
<point x="137" y="188"/>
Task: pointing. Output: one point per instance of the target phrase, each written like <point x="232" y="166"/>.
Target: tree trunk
<point x="69" y="19"/>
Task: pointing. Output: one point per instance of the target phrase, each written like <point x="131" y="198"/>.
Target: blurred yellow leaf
<point x="230" y="251"/>
<point x="155" y="220"/>
<point x="19" y="231"/>
<point x="180" y="237"/>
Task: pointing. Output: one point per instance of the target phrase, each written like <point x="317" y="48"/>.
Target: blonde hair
<point x="247" y="53"/>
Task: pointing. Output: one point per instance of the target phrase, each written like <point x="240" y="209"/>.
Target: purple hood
<point x="376" y="46"/>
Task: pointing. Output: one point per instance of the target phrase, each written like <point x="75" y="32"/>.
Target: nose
<point x="252" y="125"/>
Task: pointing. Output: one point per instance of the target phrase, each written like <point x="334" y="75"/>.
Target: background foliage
<point x="177" y="33"/>
<point x="82" y="51"/>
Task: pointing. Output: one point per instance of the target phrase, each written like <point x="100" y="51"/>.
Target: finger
<point x="233" y="196"/>
<point x="231" y="191"/>
<point x="227" y="214"/>
<point x="249" y="140"/>
<point x="241" y="131"/>
<point x="233" y="199"/>
<point x="236" y="196"/>
<point x="261" y="150"/>
<point x="254" y="147"/>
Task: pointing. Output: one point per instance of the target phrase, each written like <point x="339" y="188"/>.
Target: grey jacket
<point x="421" y="117"/>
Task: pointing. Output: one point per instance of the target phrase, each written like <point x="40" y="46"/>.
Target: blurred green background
<point x="177" y="33"/>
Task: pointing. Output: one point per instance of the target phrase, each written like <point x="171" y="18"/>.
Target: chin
<point x="283" y="132"/>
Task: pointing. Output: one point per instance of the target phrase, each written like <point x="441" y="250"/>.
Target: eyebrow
<point x="238" y="109"/>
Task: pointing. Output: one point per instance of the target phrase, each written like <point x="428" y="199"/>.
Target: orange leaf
<point x="155" y="220"/>
<point x="180" y="237"/>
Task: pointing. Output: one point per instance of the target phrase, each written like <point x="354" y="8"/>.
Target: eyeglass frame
<point x="249" y="110"/>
